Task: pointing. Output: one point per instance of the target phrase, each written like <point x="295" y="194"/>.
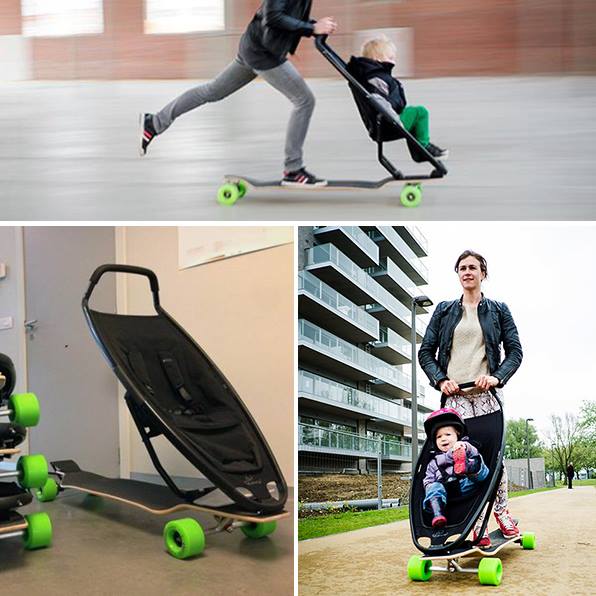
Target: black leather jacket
<point x="277" y="28"/>
<point x="497" y="326"/>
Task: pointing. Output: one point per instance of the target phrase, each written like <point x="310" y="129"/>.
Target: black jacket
<point x="497" y="326"/>
<point x="275" y="31"/>
<point x="376" y="77"/>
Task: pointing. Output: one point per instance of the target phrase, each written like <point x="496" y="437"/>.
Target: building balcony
<point x="395" y="281"/>
<point x="320" y="303"/>
<point x="335" y="398"/>
<point x="398" y="319"/>
<point x="338" y="271"/>
<point x="393" y="246"/>
<point x="392" y="348"/>
<point x="414" y="238"/>
<point x="324" y="440"/>
<point x="326" y="351"/>
<point x="352" y="241"/>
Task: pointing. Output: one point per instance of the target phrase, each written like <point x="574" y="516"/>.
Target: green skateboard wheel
<point x="39" y="531"/>
<point x="48" y="491"/>
<point x="490" y="571"/>
<point x="242" y="188"/>
<point x="419" y="569"/>
<point x="254" y="531"/>
<point x="25" y="409"/>
<point x="33" y="471"/>
<point x="184" y="538"/>
<point x="411" y="195"/>
<point x="528" y="540"/>
<point x="228" y="194"/>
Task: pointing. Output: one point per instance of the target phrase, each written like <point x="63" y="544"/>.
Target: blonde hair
<point x="378" y="48"/>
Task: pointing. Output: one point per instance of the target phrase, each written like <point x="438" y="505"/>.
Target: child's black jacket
<point x="376" y="77"/>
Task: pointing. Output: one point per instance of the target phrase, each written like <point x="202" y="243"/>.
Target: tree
<point x="565" y="438"/>
<point x="515" y="440"/>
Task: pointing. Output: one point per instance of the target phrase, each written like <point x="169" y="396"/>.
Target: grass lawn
<point x="335" y="523"/>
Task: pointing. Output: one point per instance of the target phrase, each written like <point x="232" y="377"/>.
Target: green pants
<point x="415" y="120"/>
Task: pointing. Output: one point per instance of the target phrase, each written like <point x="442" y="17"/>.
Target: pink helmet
<point x="444" y="417"/>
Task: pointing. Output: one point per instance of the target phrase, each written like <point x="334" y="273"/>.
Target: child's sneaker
<point x="302" y="178"/>
<point x="146" y="132"/>
<point x="484" y="542"/>
<point x="437" y="151"/>
<point x="507" y="524"/>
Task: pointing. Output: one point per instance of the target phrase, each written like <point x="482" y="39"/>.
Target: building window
<point x="61" y="18"/>
<point x="184" y="16"/>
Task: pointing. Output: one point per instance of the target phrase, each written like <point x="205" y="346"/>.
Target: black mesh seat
<point x="488" y="434"/>
<point x="173" y="389"/>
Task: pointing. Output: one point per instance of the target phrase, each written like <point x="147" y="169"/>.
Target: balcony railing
<point x="359" y="238"/>
<point x="325" y="293"/>
<point x="328" y="253"/>
<point x="395" y="342"/>
<point x="344" y="351"/>
<point x="406" y="252"/>
<point x="420" y="238"/>
<point x="390" y="268"/>
<point x="322" y="439"/>
<point x="316" y="386"/>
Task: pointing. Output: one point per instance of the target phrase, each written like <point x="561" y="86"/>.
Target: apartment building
<point x="356" y="287"/>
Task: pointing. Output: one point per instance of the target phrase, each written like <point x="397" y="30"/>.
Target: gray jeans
<point x="285" y="78"/>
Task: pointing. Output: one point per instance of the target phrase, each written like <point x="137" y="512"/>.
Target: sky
<point x="546" y="274"/>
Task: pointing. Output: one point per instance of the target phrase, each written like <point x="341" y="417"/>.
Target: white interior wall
<point x="240" y="310"/>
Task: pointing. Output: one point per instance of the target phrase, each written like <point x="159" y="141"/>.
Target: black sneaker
<point x="437" y="151"/>
<point x="146" y="132"/>
<point x="302" y="178"/>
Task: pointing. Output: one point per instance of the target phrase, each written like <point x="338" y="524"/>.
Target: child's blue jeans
<point x="467" y="486"/>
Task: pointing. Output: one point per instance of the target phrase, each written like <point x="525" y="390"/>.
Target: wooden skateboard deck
<point x="153" y="498"/>
<point x="332" y="185"/>
<point x="9" y="451"/>
<point x="497" y="540"/>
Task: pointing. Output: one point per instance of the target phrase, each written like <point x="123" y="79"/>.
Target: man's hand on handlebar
<point x="325" y="26"/>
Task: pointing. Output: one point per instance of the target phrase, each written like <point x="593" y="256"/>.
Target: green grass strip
<point x="336" y="523"/>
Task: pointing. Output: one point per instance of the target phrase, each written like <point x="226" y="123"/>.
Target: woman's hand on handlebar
<point x="485" y="382"/>
<point x="325" y="26"/>
<point x="448" y="387"/>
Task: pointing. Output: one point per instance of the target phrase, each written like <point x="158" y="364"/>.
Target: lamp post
<point x="418" y="301"/>
<point x="528" y="451"/>
<point x="554" y="463"/>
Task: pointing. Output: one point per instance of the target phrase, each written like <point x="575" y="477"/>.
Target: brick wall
<point x="459" y="37"/>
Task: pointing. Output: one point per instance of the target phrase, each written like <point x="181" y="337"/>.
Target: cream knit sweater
<point x="468" y="354"/>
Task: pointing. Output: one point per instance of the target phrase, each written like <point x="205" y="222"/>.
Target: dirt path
<point x="374" y="560"/>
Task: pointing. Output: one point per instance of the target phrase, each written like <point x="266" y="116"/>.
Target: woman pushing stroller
<point x="462" y="342"/>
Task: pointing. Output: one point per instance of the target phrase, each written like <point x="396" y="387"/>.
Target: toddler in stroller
<point x="457" y="460"/>
<point x="374" y="71"/>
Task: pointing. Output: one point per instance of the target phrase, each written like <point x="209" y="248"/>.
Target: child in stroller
<point x="373" y="69"/>
<point x="457" y="460"/>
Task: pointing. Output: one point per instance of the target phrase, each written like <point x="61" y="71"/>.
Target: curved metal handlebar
<point x="115" y="268"/>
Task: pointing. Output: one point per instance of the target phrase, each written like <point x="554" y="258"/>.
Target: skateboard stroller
<point x="174" y="390"/>
<point x="451" y="542"/>
<point x="22" y="411"/>
<point x="382" y="124"/>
